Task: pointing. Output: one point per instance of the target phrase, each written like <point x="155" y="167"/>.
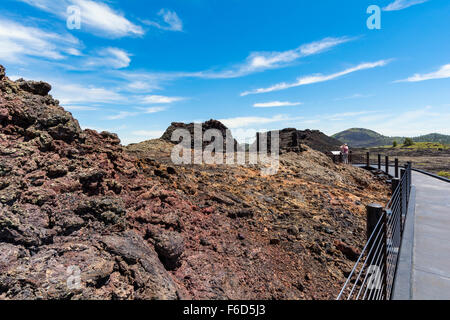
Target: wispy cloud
<point x="69" y="94"/>
<point x="344" y="115"/>
<point x="402" y="4"/>
<point x="156" y="99"/>
<point x="126" y="114"/>
<point x="317" y="78"/>
<point x="171" y="21"/>
<point x="96" y="16"/>
<point x="152" y="133"/>
<point x="261" y="61"/>
<point x="354" y="96"/>
<point x="411" y="122"/>
<point x="80" y="108"/>
<point x="109" y="57"/>
<point x="255" y="62"/>
<point x="152" y="109"/>
<point x="240" y="122"/>
<point x="144" y="86"/>
<point x="443" y="72"/>
<point x="122" y="115"/>
<point x="18" y="41"/>
<point x="276" y="104"/>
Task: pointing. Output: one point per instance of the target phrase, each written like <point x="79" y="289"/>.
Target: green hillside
<point x="364" y="138"/>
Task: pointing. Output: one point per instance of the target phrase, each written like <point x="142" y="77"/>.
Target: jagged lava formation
<point x="71" y="198"/>
<point x="138" y="227"/>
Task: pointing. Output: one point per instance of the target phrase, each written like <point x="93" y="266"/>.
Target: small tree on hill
<point x="408" y="142"/>
<point x="394" y="144"/>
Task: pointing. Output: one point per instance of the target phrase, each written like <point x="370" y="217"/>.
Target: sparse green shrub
<point x="445" y="174"/>
<point x="394" y="144"/>
<point x="408" y="142"/>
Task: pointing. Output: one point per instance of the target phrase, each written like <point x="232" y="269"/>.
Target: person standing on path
<point x="344" y="152"/>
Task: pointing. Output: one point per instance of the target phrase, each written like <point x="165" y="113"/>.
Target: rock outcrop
<point x="293" y="235"/>
<point x="81" y="217"/>
<point x="69" y="211"/>
<point x="208" y="125"/>
<point x="292" y="139"/>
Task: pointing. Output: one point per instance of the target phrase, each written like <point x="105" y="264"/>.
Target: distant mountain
<point x="363" y="138"/>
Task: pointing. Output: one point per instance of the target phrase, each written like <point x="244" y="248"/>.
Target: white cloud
<point x="152" y="134"/>
<point x="140" y="135"/>
<point x="317" y="78"/>
<point x="96" y="16"/>
<point x="79" y="108"/>
<point x="443" y="72"/>
<point x="260" y="61"/>
<point x="18" y="40"/>
<point x="153" y="109"/>
<point x="74" y="52"/>
<point x="109" y="57"/>
<point x="142" y="86"/>
<point x="155" y="99"/>
<point x="354" y="96"/>
<point x="126" y="114"/>
<point x="343" y="115"/>
<point x="171" y="21"/>
<point x="276" y="104"/>
<point x="122" y="115"/>
<point x="76" y="94"/>
<point x="255" y="62"/>
<point x="321" y="45"/>
<point x="402" y="4"/>
<point x="411" y="123"/>
<point x="241" y="122"/>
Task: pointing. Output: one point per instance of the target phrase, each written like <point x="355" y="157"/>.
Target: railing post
<point x="385" y="255"/>
<point x="374" y="212"/>
<point x="257" y="142"/>
<point x="386" y="159"/>
<point x="368" y="159"/>
<point x="396" y="167"/>
<point x="379" y="161"/>
<point x="350" y="157"/>
<point x="395" y="183"/>
<point x="409" y="178"/>
<point x="404" y="183"/>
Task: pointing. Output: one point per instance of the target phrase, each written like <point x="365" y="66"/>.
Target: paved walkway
<point x="430" y="233"/>
<point x="431" y="251"/>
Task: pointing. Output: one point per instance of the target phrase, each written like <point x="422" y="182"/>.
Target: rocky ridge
<point x="70" y="200"/>
<point x="81" y="217"/>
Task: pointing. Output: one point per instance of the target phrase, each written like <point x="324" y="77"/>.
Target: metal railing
<point x="373" y="275"/>
<point x="381" y="163"/>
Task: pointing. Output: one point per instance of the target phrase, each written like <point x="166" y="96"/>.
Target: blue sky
<point x="134" y="66"/>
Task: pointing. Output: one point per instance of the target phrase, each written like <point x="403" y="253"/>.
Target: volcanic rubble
<point x="134" y="226"/>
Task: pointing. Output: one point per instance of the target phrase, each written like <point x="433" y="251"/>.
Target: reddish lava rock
<point x="81" y="217"/>
<point x="73" y="200"/>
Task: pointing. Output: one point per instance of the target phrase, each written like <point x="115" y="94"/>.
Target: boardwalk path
<point x="429" y="268"/>
<point x="431" y="249"/>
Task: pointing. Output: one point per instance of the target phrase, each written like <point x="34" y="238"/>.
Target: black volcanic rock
<point x="72" y="211"/>
<point x="291" y="140"/>
<point x="2" y="72"/>
<point x="35" y="87"/>
<point x="210" y="124"/>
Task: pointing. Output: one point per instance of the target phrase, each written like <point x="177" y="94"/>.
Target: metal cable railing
<point x="373" y="275"/>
